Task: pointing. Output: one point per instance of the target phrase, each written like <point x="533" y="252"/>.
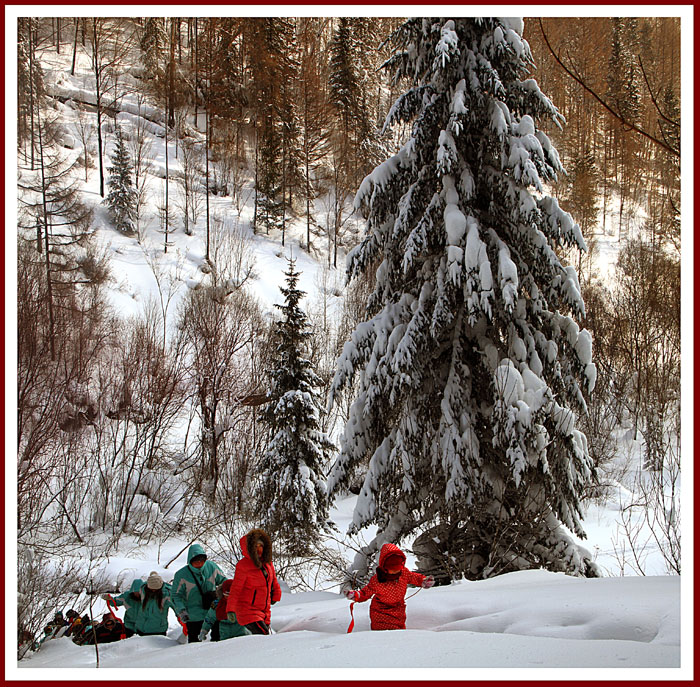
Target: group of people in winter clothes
<point x="82" y="630"/>
<point x="205" y="601"/>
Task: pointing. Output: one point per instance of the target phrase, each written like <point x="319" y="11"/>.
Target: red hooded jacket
<point x="255" y="585"/>
<point x="388" y="608"/>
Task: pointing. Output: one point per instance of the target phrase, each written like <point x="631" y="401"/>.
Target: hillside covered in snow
<point x="532" y="620"/>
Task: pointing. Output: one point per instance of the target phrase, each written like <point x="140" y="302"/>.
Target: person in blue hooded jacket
<point x="131" y="600"/>
<point x="194" y="590"/>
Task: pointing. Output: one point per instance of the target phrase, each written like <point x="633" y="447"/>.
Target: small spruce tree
<point x="270" y="178"/>
<point x="293" y="504"/>
<point x="121" y="199"/>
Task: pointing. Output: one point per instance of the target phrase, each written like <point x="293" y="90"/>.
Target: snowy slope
<point x="532" y="619"/>
<point x="133" y="278"/>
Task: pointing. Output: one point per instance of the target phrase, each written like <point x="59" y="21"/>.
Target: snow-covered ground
<point x="531" y="619"/>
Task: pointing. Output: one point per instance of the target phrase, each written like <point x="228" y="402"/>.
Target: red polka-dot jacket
<point x="388" y="608"/>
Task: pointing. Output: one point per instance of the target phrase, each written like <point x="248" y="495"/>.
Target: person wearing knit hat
<point x="154" y="581"/>
<point x="155" y="603"/>
<point x="387" y="588"/>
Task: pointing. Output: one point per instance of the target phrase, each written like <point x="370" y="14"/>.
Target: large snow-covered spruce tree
<point x="293" y="503"/>
<point x="472" y="367"/>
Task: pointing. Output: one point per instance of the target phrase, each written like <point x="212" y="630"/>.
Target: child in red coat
<point x="388" y="587"/>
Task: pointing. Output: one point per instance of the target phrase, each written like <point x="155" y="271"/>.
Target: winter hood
<point x="195" y="550"/>
<point x="390" y="549"/>
<point x="136" y="585"/>
<point x="249" y="550"/>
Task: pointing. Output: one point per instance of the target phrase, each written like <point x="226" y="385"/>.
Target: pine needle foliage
<point x="121" y="199"/>
<point x="471" y="365"/>
<point x="293" y="503"/>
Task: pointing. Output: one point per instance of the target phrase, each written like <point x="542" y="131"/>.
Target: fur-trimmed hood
<point x="255" y="587"/>
<point x="249" y="549"/>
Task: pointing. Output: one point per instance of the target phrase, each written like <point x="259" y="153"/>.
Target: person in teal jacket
<point x="217" y="613"/>
<point x="155" y="603"/>
<point x="131" y="600"/>
<point x="193" y="590"/>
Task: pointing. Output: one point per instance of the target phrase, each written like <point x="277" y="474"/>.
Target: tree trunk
<point x="49" y="288"/>
<point x="622" y="211"/>
<point x="187" y="201"/>
<point x="167" y="209"/>
<point x="255" y="198"/>
<point x="31" y="89"/>
<point x="99" y="152"/>
<point x="308" y="206"/>
<point x="98" y="105"/>
<point x="335" y="244"/>
<point x="171" y="76"/>
<point x="206" y="152"/>
<point x="75" y="46"/>
<point x="196" y="72"/>
<point x="178" y="33"/>
<point x="605" y="180"/>
<point x="284" y="183"/>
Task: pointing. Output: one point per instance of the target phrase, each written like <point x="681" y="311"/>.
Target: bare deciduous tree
<point x="221" y="326"/>
<point x="140" y="145"/>
<point x="232" y="255"/>
<point x="191" y="200"/>
<point x="110" y="42"/>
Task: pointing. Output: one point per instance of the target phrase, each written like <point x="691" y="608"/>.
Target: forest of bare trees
<point x="617" y="82"/>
